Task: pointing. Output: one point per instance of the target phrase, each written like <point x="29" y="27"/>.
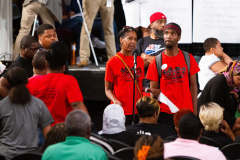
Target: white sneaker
<point x="77" y="59"/>
<point x="98" y="44"/>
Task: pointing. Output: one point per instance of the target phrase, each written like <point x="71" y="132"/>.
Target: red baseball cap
<point x="156" y="16"/>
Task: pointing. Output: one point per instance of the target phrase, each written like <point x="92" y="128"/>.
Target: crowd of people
<point x="164" y="116"/>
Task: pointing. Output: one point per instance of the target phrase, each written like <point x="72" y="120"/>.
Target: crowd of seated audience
<point x="39" y="99"/>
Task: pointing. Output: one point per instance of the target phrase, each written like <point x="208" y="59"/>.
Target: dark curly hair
<point x="57" y="55"/>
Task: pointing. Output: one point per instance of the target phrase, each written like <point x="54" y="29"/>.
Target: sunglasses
<point x="128" y="27"/>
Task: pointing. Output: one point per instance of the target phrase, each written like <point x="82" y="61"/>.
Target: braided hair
<point x="155" y="145"/>
<point x="57" y="133"/>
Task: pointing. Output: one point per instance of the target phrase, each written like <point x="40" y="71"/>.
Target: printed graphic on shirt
<point x="174" y="75"/>
<point x="46" y="93"/>
<point x="128" y="76"/>
<point x="153" y="48"/>
<point x="142" y="132"/>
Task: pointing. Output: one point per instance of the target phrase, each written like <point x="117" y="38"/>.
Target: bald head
<point x="78" y="123"/>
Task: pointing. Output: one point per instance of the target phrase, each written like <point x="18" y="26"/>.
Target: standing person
<point x="20" y="116"/>
<point x="210" y="62"/>
<point x="137" y="13"/>
<point x="119" y="80"/>
<point x="178" y="81"/>
<point x="46" y="9"/>
<point x="151" y="46"/>
<point x="28" y="47"/>
<point x="90" y="9"/>
<point x="60" y="92"/>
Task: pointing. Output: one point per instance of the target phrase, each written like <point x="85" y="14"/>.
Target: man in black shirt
<point x="29" y="46"/>
<point x="151" y="46"/>
<point x="148" y="112"/>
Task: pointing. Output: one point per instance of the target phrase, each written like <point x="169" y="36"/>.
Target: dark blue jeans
<point x="75" y="25"/>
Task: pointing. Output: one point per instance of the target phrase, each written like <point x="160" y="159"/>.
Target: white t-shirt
<point x="206" y="73"/>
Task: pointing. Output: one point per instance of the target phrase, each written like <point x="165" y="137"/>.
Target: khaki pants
<point x="28" y="14"/>
<point x="90" y="9"/>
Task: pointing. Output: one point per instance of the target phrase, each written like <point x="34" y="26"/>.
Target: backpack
<point x="159" y="65"/>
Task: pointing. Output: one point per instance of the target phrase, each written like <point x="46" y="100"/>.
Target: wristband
<point x="146" y="90"/>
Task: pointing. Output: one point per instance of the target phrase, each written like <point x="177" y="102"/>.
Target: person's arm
<point x="153" y="89"/>
<point x="194" y="90"/>
<point x="226" y="59"/>
<point x="4" y="87"/>
<point x="45" y="131"/>
<point x="109" y="93"/>
<point x="227" y="131"/>
<point x="147" y="57"/>
<point x="218" y="66"/>
<point x="79" y="105"/>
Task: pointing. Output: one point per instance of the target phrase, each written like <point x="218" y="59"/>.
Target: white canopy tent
<point x="6" y="37"/>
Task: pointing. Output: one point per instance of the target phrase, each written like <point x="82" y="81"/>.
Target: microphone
<point x="135" y="53"/>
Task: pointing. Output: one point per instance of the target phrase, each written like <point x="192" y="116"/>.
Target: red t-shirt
<point x="57" y="91"/>
<point x="174" y="83"/>
<point x="117" y="73"/>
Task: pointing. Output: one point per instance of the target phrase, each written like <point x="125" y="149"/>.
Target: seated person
<point x="210" y="62"/>
<point x="20" y="116"/>
<point x="149" y="148"/>
<point x="77" y="145"/>
<point x="189" y="131"/>
<point x="114" y="125"/>
<point x="46" y="35"/>
<point x="176" y="119"/>
<point x="222" y="89"/>
<point x="39" y="64"/>
<point x="148" y="111"/>
<point x="60" y="92"/>
<point x="29" y="46"/>
<point x="57" y="133"/>
<point x="215" y="128"/>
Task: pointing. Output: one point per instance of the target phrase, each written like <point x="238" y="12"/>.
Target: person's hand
<point x="227" y="130"/>
<point x="154" y="91"/>
<point x="235" y="94"/>
<point x="143" y="56"/>
<point x="71" y="13"/>
<point x="236" y="124"/>
<point x="117" y="102"/>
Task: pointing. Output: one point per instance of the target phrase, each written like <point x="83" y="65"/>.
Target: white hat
<point x="113" y="120"/>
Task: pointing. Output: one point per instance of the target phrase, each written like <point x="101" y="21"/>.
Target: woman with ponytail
<point x="20" y="116"/>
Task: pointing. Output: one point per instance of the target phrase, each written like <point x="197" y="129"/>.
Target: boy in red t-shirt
<point x="174" y="82"/>
<point x="60" y="92"/>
